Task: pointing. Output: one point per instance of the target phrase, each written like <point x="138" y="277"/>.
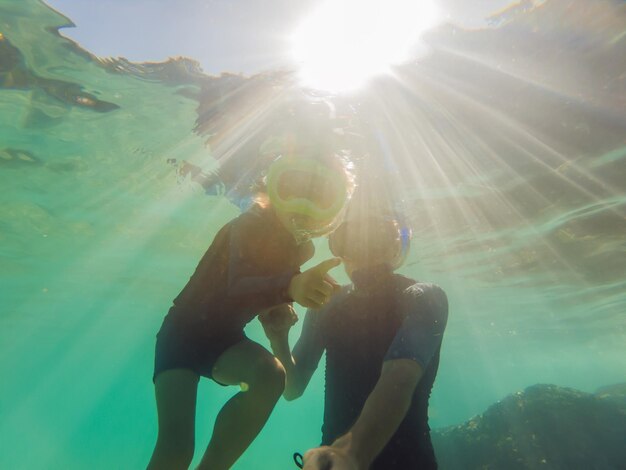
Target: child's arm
<point x="247" y="278"/>
<point x="300" y="366"/>
<point x="208" y="181"/>
<point x="249" y="260"/>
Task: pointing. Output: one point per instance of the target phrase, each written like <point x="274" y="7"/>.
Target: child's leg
<point x="244" y="415"/>
<point x="175" y="392"/>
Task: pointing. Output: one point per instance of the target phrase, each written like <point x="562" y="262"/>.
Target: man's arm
<point x="382" y="413"/>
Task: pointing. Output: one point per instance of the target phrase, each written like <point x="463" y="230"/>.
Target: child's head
<point x="309" y="181"/>
<point x="309" y="194"/>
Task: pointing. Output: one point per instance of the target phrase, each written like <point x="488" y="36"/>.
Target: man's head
<point x="368" y="242"/>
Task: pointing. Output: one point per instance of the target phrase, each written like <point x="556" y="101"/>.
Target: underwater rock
<point x="545" y="426"/>
<point x="615" y="393"/>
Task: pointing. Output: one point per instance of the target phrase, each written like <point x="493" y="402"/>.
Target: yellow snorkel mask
<point x="313" y="194"/>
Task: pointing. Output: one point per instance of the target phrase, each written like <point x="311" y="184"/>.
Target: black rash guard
<point x="247" y="269"/>
<point x="383" y="316"/>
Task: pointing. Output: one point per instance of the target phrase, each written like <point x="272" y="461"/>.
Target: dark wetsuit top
<point x="247" y="268"/>
<point x="384" y="316"/>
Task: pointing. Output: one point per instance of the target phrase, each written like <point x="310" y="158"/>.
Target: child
<point x="251" y="266"/>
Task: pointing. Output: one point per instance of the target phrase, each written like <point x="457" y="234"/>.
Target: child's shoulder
<point x="257" y="218"/>
<point x="255" y="214"/>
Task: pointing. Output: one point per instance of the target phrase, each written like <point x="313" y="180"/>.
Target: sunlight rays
<point x="427" y="160"/>
<point x="518" y="126"/>
<point x="345" y="42"/>
<point x="514" y="129"/>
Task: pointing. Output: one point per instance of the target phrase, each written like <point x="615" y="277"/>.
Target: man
<point x="382" y="337"/>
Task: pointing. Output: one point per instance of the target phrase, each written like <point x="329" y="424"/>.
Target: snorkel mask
<point x="313" y="194"/>
<point x="358" y="240"/>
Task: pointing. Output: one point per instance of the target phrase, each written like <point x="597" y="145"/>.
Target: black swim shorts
<point x="184" y="342"/>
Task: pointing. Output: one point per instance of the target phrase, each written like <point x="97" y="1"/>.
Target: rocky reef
<point x="545" y="426"/>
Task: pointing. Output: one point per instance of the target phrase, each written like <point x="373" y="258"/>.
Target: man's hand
<point x="314" y="287"/>
<point x="329" y="458"/>
<point x="278" y="321"/>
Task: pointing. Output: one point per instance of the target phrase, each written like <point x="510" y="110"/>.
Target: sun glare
<point x="345" y="42"/>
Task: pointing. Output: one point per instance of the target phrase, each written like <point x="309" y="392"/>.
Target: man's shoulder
<point x="410" y="287"/>
<point x="422" y="294"/>
<point x="402" y="282"/>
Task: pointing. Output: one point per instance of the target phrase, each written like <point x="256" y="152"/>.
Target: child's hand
<point x="277" y="321"/>
<point x="314" y="287"/>
<point x="187" y="168"/>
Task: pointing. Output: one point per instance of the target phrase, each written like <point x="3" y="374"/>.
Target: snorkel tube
<point x="405" y="234"/>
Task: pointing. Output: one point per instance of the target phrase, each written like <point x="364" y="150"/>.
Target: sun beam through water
<point x="344" y="43"/>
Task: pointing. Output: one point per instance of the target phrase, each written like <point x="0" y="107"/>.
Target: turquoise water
<point x="513" y="169"/>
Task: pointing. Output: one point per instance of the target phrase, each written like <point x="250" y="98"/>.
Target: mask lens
<point x="295" y="184"/>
